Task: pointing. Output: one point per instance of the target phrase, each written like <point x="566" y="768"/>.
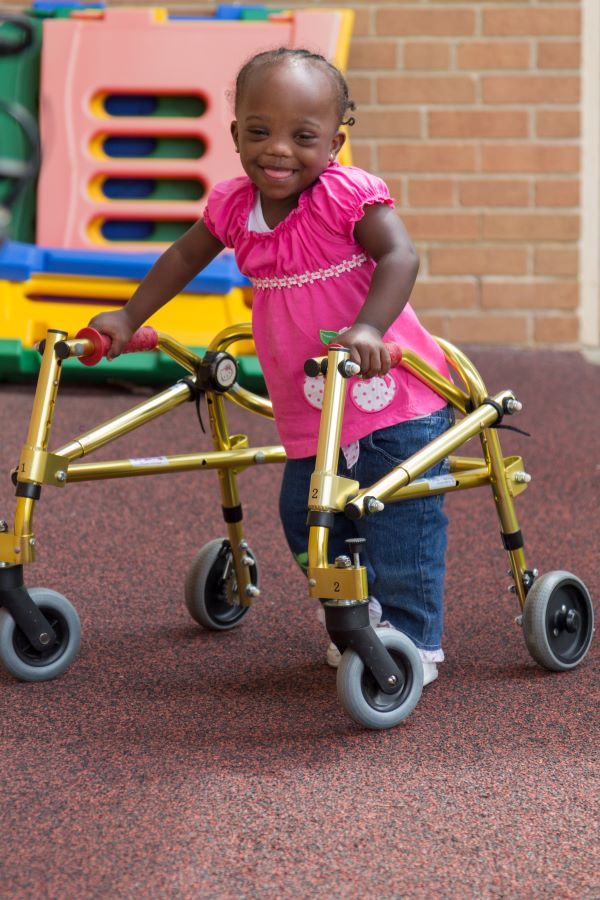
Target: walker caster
<point x="26" y="662"/>
<point x="211" y="591"/>
<point x="558" y="621"/>
<point x="363" y="699"/>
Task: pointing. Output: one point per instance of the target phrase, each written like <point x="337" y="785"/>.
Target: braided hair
<point x="282" y="54"/>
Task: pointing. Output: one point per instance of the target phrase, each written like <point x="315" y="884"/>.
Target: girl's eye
<point x="305" y="137"/>
<point x="257" y="132"/>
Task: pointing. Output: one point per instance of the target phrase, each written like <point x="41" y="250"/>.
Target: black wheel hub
<point x="381" y="701"/>
<point x="34" y="657"/>
<point x="567" y="623"/>
<point x="218" y="586"/>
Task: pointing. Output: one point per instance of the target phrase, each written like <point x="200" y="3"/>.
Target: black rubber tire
<point x="558" y="621"/>
<point x="362" y="698"/>
<point x="25" y="662"/>
<point x="206" y="590"/>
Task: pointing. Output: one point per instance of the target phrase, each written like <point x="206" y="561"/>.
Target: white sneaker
<point x="430" y="672"/>
<point x="333" y="656"/>
<point x="430" y="669"/>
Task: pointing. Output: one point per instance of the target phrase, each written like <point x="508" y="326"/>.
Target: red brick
<point x="493" y="55"/>
<point x="530" y="89"/>
<point x="557" y="193"/>
<point x="442" y="226"/>
<point x="556" y="261"/>
<point x="500" y="192"/>
<point x="363" y="155"/>
<point x="559" y="55"/>
<point x="530" y="295"/>
<point x="530" y="227"/>
<point x="426" y="55"/>
<point x="428" y="22"/>
<point x="362" y="22"/>
<point x="557" y="123"/>
<point x="373" y="54"/>
<point x="435" y="324"/>
<point x="444" y="294"/>
<point x="424" y="89"/>
<point x="397" y="189"/>
<point x="477" y="261"/>
<point x="478" y="123"/>
<point x="360" y="88"/>
<point x="431" y="192"/>
<point x="558" y="329"/>
<point x="543" y="20"/>
<point x="488" y="328"/>
<point x="388" y="123"/>
<point x="529" y="158"/>
<point x="427" y="157"/>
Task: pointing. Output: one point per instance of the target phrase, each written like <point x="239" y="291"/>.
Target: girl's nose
<point x="278" y="146"/>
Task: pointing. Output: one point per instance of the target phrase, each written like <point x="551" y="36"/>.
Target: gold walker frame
<point x="340" y="584"/>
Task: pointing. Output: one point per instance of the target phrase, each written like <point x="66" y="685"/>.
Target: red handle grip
<point x="395" y="351"/>
<point x="144" y="338"/>
<point x="314" y="367"/>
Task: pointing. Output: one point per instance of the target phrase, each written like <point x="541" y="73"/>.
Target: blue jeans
<point x="406" y="542"/>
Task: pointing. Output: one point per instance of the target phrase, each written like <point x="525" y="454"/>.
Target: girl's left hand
<point x="367" y="348"/>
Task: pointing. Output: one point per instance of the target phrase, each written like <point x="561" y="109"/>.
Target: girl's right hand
<point x="117" y="326"/>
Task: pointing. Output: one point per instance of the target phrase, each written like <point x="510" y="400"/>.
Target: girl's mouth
<point x="278" y="174"/>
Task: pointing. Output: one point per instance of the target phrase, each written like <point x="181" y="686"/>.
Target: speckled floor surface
<point x="170" y="762"/>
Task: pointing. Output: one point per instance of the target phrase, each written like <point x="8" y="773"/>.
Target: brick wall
<point x="470" y="111"/>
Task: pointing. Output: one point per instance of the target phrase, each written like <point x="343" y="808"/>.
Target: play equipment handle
<point x="318" y="366"/>
<point x="145" y="338"/>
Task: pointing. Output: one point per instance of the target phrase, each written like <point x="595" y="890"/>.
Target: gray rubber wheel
<point x="211" y="594"/>
<point x="26" y="662"/>
<point x="558" y="621"/>
<point x="360" y="694"/>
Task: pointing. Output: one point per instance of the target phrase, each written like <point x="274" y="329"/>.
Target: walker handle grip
<point x="145" y="338"/>
<point x="318" y="366"/>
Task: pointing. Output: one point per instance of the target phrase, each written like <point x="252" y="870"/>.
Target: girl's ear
<point x="336" y="145"/>
<point x="234" y="134"/>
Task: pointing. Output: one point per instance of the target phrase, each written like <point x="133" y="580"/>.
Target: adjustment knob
<point x="355" y="545"/>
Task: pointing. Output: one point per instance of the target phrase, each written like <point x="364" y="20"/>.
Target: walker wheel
<point x="211" y="593"/>
<point x="26" y="662"/>
<point x="361" y="696"/>
<point x="558" y="621"/>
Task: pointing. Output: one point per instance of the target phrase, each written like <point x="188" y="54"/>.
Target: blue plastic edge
<point x="19" y="261"/>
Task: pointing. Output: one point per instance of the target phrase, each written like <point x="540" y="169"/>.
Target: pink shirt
<point x="309" y="274"/>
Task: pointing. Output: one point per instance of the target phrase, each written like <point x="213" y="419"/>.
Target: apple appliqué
<point x="367" y="394"/>
<point x="373" y="394"/>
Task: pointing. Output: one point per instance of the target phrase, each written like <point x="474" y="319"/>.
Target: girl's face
<point x="287" y="129"/>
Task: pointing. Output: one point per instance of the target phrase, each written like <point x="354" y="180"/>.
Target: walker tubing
<point x="144" y="338"/>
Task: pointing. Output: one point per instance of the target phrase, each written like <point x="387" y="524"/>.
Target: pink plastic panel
<point x="129" y="51"/>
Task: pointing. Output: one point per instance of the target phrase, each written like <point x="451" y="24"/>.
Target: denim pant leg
<point x="293" y="510"/>
<point x="407" y="541"/>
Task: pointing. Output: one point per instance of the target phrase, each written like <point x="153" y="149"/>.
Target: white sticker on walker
<point x="149" y="461"/>
<point x="437" y="482"/>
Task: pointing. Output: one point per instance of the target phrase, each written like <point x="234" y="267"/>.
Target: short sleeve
<point x="342" y="194"/>
<point x="227" y="209"/>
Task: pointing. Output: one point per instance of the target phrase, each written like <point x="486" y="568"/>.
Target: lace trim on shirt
<point x="284" y="281"/>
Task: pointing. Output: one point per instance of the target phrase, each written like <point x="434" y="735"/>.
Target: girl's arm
<point x="385" y="239"/>
<point x="168" y="276"/>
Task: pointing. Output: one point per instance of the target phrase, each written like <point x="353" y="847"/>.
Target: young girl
<point x="324" y="250"/>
